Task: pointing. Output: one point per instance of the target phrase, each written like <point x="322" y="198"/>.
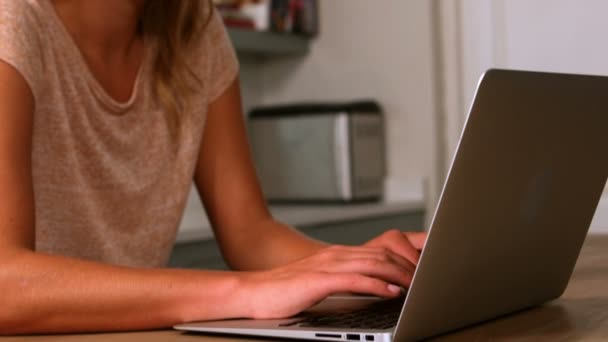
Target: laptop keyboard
<point x="380" y="315"/>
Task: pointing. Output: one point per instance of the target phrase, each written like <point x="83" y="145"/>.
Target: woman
<point x="108" y="110"/>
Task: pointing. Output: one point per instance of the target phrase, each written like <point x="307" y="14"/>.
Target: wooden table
<point x="580" y="315"/>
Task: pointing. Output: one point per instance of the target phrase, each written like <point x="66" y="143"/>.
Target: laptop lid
<point x="524" y="184"/>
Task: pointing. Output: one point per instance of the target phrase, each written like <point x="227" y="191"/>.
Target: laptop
<point x="520" y="194"/>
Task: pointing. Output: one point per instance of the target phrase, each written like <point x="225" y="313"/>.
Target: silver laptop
<point x="522" y="189"/>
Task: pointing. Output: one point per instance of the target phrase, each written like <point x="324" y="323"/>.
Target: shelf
<point x="269" y="44"/>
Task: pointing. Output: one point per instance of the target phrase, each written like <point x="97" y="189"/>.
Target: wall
<point x="381" y="50"/>
<point x="545" y="35"/>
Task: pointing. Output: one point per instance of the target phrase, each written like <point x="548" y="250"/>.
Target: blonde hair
<point x="175" y="25"/>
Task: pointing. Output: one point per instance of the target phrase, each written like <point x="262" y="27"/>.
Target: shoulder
<point x="21" y="11"/>
<point x="21" y="29"/>
<point x="214" y="31"/>
<point x="22" y="21"/>
<point x="212" y="40"/>
<point x="214" y="57"/>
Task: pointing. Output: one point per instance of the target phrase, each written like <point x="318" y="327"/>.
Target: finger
<point x="378" y="268"/>
<point x="399" y="243"/>
<point x="345" y="253"/>
<point x="403" y="262"/>
<point x="377" y="262"/>
<point x="379" y="253"/>
<point x="387" y="254"/>
<point x="417" y="239"/>
<point x="358" y="283"/>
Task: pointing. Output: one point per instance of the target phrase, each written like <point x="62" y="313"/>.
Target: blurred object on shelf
<point x="247" y="14"/>
<point x="283" y="16"/>
<point x="295" y="16"/>
<point x="307" y="20"/>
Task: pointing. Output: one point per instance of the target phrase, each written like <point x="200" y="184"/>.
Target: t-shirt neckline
<point x="117" y="107"/>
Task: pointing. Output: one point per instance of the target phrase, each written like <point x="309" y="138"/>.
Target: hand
<point x="290" y="289"/>
<point x="406" y="244"/>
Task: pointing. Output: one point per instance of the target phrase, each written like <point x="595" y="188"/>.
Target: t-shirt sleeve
<point x="20" y="41"/>
<point x="222" y="63"/>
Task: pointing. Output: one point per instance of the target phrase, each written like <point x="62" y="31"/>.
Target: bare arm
<point x="226" y="179"/>
<point x="228" y="185"/>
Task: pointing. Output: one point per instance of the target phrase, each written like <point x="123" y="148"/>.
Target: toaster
<point x="319" y="151"/>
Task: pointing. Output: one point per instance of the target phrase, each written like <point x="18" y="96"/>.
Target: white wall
<point x="545" y="35"/>
<point x="381" y="50"/>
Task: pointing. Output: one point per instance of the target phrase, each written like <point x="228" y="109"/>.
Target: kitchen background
<point x="420" y="59"/>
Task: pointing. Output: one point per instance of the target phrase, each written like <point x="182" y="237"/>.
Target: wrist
<point x="210" y="295"/>
<point x="245" y="295"/>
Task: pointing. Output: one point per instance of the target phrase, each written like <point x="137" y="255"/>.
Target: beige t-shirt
<point x="110" y="183"/>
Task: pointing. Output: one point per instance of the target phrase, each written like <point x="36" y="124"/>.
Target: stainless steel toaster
<point x="319" y="151"/>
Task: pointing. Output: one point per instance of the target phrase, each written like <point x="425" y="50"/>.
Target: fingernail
<point x="394" y="288"/>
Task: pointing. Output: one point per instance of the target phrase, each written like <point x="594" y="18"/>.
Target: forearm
<point x="269" y="245"/>
<point x="45" y="294"/>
